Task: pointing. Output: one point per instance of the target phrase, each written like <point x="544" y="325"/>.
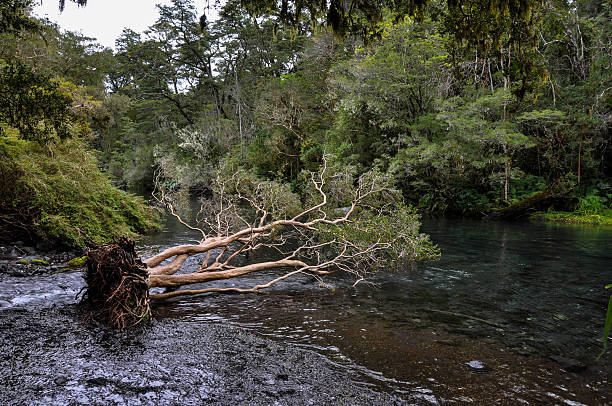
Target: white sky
<point x="105" y="19"/>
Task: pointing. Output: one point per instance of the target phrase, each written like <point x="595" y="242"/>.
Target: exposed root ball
<point x="117" y="292"/>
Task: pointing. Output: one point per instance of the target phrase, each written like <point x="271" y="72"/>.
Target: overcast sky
<point x="104" y="19"/>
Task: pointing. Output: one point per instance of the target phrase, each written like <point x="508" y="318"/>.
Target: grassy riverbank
<point x="574" y="218"/>
<point x="591" y="209"/>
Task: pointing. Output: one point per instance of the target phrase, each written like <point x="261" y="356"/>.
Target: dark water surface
<point x="512" y="313"/>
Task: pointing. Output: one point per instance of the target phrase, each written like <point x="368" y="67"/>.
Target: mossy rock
<point x="23" y="261"/>
<point x="36" y="261"/>
<point x="77" y="262"/>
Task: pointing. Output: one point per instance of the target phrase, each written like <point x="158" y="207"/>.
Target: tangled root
<point x="117" y="292"/>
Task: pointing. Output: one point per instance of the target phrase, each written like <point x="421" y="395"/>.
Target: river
<point x="511" y="314"/>
<point x="506" y="308"/>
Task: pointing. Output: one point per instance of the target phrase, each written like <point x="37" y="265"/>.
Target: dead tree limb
<point x="357" y="225"/>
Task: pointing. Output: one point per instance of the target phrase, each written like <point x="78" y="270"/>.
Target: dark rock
<point x="569" y="364"/>
<point x="60" y="380"/>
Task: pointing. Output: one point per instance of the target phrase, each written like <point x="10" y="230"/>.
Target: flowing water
<point x="511" y="314"/>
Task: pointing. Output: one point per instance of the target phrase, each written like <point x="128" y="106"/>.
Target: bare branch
<point x="354" y="240"/>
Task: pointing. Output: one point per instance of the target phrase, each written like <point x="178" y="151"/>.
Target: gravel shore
<point x="48" y="357"/>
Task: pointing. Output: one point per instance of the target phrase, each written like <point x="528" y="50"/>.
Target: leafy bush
<point x="34" y="104"/>
<point x="57" y="193"/>
<point x="590" y="204"/>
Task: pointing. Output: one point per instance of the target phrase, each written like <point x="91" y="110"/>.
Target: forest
<point x="422" y="188"/>
<point x="467" y="112"/>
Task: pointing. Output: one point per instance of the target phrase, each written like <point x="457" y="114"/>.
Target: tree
<point x="15" y="17"/>
<point x="476" y="21"/>
<point x="385" y="89"/>
<point x="33" y="104"/>
<point x="355" y="229"/>
<point x="457" y="159"/>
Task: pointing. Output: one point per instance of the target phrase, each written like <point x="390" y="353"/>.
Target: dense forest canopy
<point x="468" y="105"/>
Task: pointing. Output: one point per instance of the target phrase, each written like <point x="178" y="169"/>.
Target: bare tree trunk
<point x="239" y="104"/>
<point x="506" y="174"/>
<point x="580" y="151"/>
<point x="505" y="147"/>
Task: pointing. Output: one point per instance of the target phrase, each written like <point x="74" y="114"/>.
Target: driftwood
<point x="557" y="198"/>
<point x="374" y="231"/>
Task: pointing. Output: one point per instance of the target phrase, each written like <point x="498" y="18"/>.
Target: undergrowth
<point x="57" y="193"/>
<point x="591" y="209"/>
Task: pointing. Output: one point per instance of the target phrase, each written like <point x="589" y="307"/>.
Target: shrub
<point x="57" y="193"/>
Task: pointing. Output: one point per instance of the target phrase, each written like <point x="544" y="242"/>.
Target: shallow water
<point x="511" y="314"/>
<point x="503" y="315"/>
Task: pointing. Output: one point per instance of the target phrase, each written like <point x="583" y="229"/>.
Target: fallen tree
<point x="342" y="222"/>
<point x="557" y="196"/>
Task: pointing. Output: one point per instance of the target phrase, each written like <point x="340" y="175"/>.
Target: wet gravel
<point x="49" y="357"/>
<point x="21" y="261"/>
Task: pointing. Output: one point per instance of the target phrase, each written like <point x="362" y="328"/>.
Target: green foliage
<point x="15" y="16"/>
<point x="276" y="198"/>
<point x="384" y="91"/>
<point x="383" y="232"/>
<point x="573" y="218"/>
<point x="461" y="104"/>
<point x="607" y="325"/>
<point x="57" y="193"/>
<point x="454" y="161"/>
<point x="590" y="204"/>
<point x="33" y="104"/>
<point x="593" y="208"/>
<point x="397" y="229"/>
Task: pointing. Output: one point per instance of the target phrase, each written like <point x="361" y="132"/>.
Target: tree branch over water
<point x="247" y="215"/>
<point x="340" y="222"/>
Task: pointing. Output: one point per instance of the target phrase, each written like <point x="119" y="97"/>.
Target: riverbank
<point x="511" y="314"/>
<point x="49" y="357"/>
<point x="19" y="259"/>
<point x="573" y="218"/>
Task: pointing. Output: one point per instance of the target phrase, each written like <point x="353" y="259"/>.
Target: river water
<point x="511" y="313"/>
